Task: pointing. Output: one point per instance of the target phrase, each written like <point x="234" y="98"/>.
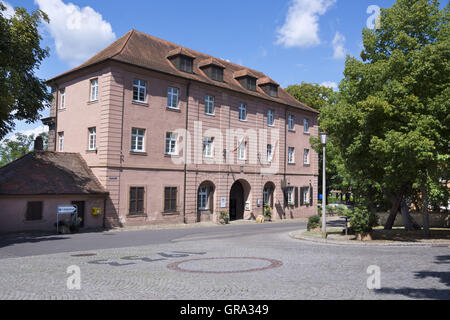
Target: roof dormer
<point x="212" y="68"/>
<point x="246" y="78"/>
<point x="182" y="59"/>
<point x="269" y="86"/>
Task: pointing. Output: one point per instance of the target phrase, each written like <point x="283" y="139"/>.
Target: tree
<point x="22" y="94"/>
<point x="313" y="95"/>
<point x="12" y="149"/>
<point x="391" y="122"/>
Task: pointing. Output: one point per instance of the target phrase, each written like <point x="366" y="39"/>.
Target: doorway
<point x="81" y="206"/>
<point x="237" y="202"/>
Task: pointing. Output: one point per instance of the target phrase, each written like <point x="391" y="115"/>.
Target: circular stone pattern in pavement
<point x="225" y="265"/>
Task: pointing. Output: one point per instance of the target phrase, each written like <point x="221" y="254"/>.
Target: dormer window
<point x="247" y="79"/>
<point x="212" y="68"/>
<point x="182" y="60"/>
<point x="269" y="86"/>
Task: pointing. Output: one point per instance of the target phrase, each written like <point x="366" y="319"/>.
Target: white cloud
<point x="9" y="12"/>
<point x="79" y="33"/>
<point x="301" y="28"/>
<point x="36" y="131"/>
<point x="330" y="84"/>
<point x="339" y="51"/>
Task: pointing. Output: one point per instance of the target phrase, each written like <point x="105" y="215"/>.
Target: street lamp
<point x="324" y="140"/>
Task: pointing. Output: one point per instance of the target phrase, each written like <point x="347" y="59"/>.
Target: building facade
<point x="175" y="135"/>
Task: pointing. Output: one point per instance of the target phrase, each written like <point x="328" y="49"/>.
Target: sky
<point x="289" y="40"/>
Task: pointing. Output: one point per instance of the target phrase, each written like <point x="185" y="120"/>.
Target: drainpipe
<point x="56" y="117"/>
<point x="185" y="151"/>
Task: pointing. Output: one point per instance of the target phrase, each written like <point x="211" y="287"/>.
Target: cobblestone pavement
<point x="239" y="267"/>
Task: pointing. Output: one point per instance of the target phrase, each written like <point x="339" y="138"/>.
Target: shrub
<point x="363" y="220"/>
<point x="314" y="222"/>
<point x="267" y="211"/>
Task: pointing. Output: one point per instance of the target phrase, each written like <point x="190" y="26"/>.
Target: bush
<point x="314" y="222"/>
<point x="363" y="220"/>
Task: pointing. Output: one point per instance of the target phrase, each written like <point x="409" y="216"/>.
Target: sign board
<point x="223" y="202"/>
<point x="67" y="209"/>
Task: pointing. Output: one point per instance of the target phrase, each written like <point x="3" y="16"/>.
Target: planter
<point x="367" y="236"/>
<point x="64" y="229"/>
<point x="224" y="221"/>
<point x="267" y="219"/>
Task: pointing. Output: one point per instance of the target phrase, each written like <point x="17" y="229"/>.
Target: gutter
<point x="185" y="151"/>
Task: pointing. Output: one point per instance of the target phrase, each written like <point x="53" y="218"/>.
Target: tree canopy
<point x="391" y="121"/>
<point x="22" y="94"/>
<point x="313" y="95"/>
<point x="20" y="145"/>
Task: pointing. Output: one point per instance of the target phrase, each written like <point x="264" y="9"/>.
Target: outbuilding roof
<point x="141" y="50"/>
<point x="48" y="173"/>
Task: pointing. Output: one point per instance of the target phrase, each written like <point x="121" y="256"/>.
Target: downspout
<point x="56" y="117"/>
<point x="121" y="145"/>
<point x="185" y="151"/>
<point x="286" y="121"/>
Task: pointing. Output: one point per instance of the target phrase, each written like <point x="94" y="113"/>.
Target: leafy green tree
<point x="22" y="94"/>
<point x="12" y="149"/>
<point x="313" y="95"/>
<point x="391" y="122"/>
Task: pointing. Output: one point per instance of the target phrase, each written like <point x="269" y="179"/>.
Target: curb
<point x="300" y="235"/>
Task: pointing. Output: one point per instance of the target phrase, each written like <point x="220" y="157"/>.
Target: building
<point x="33" y="186"/>
<point x="175" y="135"/>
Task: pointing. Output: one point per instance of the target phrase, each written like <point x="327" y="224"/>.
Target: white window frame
<point x="242" y="112"/>
<point x="62" y="96"/>
<point x="171" y="144"/>
<point x="209" y="105"/>
<point x="242" y="151"/>
<point x="61" y="141"/>
<point x="92" y="138"/>
<point x="137" y="135"/>
<point x="306" y="157"/>
<point x="203" y="197"/>
<point x="290" y="195"/>
<point x="291" y="155"/>
<point x="94" y="90"/>
<point x="291" y="122"/>
<point x="270" y="118"/>
<point x="140" y="85"/>
<point x="172" y="96"/>
<point x="306" y="125"/>
<point x="208" y="147"/>
<point x="269" y="153"/>
<point x="306" y="196"/>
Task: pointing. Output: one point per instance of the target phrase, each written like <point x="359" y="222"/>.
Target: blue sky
<point x="290" y="40"/>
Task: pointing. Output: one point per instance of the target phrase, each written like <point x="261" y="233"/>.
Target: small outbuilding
<point x="35" y="185"/>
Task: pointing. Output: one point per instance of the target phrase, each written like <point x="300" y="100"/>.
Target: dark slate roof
<point x="47" y="173"/>
<point x="149" y="52"/>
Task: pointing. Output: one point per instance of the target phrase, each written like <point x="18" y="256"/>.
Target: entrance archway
<point x="239" y="195"/>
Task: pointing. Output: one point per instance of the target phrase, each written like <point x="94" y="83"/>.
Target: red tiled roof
<point x="46" y="173"/>
<point x="266" y="80"/>
<point x="148" y="52"/>
<point x="210" y="61"/>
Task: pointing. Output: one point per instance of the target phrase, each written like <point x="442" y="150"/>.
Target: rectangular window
<point x="291" y="122"/>
<point x="186" y="64"/>
<point x="170" y="199"/>
<point x="137" y="140"/>
<point x="139" y="90"/>
<point x="251" y="84"/>
<point x="34" y="211"/>
<point x="92" y="138"/>
<point x="203" y="195"/>
<point x="94" y="89"/>
<point x="273" y="91"/>
<point x="242" y="151"/>
<point x="305" y="196"/>
<point x="61" y="141"/>
<point x="290" y="195"/>
<point x="306" y="126"/>
<point x="217" y="73"/>
<point x="291" y="155"/>
<point x="171" y="143"/>
<point x="306" y="156"/>
<point x="270" y="120"/>
<point x="172" y="98"/>
<point x="209" y="105"/>
<point x="242" y="112"/>
<point x="137" y="200"/>
<point x="62" y="96"/>
<point x="208" y="147"/>
<point x="269" y="153"/>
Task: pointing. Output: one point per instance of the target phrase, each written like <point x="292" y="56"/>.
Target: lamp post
<point x="324" y="140"/>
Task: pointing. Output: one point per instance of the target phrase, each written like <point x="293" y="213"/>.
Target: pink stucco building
<point x="175" y="135"/>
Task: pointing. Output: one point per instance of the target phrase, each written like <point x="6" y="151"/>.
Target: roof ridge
<point x="130" y="33"/>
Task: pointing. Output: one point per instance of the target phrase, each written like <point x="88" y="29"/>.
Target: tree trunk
<point x="408" y="222"/>
<point x="425" y="214"/>
<point x="392" y="215"/>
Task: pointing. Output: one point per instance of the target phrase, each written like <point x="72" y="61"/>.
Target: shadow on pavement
<point x="442" y="276"/>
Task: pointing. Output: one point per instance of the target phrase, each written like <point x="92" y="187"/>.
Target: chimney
<point x="39" y="144"/>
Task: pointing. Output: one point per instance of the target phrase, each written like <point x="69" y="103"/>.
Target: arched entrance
<point x="239" y="194"/>
<point x="268" y="193"/>
<point x="205" y="201"/>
